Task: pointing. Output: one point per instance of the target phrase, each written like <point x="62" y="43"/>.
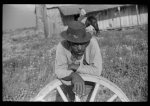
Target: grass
<point x="125" y="61"/>
<point x="27" y="64"/>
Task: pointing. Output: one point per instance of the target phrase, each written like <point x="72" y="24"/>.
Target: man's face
<point x="78" y="49"/>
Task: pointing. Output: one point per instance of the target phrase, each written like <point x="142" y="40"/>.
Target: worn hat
<point x="76" y="33"/>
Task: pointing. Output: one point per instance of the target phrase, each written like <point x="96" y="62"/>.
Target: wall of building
<point x="55" y="21"/>
<point x="143" y="14"/>
<point x="67" y="19"/>
<point x="107" y="19"/>
<point x="111" y="19"/>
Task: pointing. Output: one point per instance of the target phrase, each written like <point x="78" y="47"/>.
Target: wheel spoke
<point x="94" y="92"/>
<point x="97" y="80"/>
<point x="103" y="81"/>
<point x="62" y="94"/>
<point x="112" y="98"/>
<point x="49" y="87"/>
<point x="77" y="99"/>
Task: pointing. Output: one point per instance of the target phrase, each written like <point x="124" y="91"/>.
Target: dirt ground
<point x="28" y="62"/>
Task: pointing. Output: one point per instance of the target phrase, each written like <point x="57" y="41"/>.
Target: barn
<point x="54" y="19"/>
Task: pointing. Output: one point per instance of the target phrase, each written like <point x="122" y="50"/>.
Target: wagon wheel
<point x="89" y="78"/>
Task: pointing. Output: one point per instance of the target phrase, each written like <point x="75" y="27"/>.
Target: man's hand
<point x="73" y="66"/>
<point x="78" y="82"/>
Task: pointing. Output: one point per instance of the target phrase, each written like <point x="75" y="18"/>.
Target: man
<point x="82" y="18"/>
<point x="93" y="26"/>
<point x="78" y="53"/>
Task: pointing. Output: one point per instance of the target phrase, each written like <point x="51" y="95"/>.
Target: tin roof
<point x="74" y="9"/>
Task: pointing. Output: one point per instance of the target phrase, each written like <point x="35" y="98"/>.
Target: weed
<point x="29" y="67"/>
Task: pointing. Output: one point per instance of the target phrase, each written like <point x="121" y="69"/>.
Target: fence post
<point x="39" y="18"/>
<point x="137" y="11"/>
<point x="119" y="17"/>
<point x="45" y="20"/>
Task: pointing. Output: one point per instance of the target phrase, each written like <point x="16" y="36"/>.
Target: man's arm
<point x="62" y="71"/>
<point x="61" y="66"/>
<point x="95" y="65"/>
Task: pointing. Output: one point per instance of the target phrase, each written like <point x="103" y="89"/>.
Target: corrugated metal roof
<point x="74" y="9"/>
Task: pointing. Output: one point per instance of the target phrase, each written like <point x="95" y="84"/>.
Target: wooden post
<point x="119" y="17"/>
<point x="39" y="16"/>
<point x="137" y="11"/>
<point x="45" y="21"/>
<point x="36" y="11"/>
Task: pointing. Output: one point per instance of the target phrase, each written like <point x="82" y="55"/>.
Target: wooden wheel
<point x="89" y="78"/>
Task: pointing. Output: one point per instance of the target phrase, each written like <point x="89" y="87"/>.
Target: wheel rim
<point x="98" y="80"/>
<point x="103" y="81"/>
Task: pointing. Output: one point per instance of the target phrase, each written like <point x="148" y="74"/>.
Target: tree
<point x="41" y="19"/>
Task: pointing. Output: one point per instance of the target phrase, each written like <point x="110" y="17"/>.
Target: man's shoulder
<point x="93" y="40"/>
<point x="94" y="43"/>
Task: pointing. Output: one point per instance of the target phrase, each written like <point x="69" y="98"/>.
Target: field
<point x="28" y="62"/>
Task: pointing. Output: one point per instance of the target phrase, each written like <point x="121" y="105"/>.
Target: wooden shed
<point x="108" y="16"/>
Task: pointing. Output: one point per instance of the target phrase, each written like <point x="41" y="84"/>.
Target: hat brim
<point x="72" y="39"/>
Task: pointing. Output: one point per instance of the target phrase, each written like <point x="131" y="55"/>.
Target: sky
<point x="18" y="16"/>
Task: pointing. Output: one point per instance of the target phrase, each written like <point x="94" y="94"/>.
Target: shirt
<point x="92" y="57"/>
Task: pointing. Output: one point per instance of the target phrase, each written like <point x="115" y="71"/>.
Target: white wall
<point x="126" y="21"/>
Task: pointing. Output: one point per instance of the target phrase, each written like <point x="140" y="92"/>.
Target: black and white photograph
<point x="75" y="52"/>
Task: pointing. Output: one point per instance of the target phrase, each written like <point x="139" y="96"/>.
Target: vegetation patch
<point x="28" y="64"/>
